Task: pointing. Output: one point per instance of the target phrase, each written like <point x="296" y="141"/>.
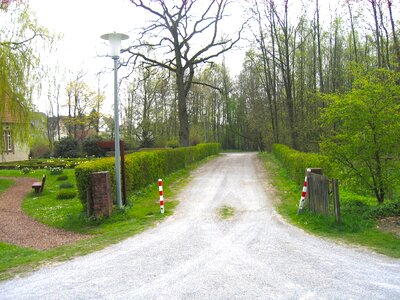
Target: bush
<point x="296" y="162"/>
<point x="65" y="194"/>
<point x="143" y="168"/>
<point x="26" y="170"/>
<point x="391" y="209"/>
<point x="173" y="144"/>
<point x="56" y="170"/>
<point x="66" y="185"/>
<point x="91" y="148"/>
<point x="40" y="151"/>
<point x="66" y="147"/>
<point x="62" y="177"/>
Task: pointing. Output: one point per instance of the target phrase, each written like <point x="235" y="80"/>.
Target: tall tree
<point x="268" y="73"/>
<point x="353" y="31"/>
<point x="365" y="123"/>
<point x="395" y="41"/>
<point x="82" y="105"/>
<point x="184" y="35"/>
<point x="318" y="28"/>
<point x="378" y="42"/>
<point x="284" y="36"/>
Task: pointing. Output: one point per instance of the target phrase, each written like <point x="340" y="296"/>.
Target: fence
<point x="319" y="191"/>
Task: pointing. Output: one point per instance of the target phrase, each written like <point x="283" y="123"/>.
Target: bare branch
<point x="221" y="91"/>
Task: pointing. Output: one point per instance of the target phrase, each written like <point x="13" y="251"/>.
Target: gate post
<point x="100" y="196"/>
<point x="336" y="201"/>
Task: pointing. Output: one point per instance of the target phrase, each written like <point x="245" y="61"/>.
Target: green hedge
<point x="45" y="163"/>
<point x="295" y="162"/>
<point x="143" y="168"/>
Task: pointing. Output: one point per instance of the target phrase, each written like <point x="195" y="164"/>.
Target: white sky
<point x="82" y="22"/>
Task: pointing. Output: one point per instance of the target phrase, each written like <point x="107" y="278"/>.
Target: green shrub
<point x="173" y="144"/>
<point x="62" y="177"/>
<point x="65" y="194"/>
<point x="91" y="148"/>
<point x="26" y="170"/>
<point x="66" y="185"/>
<point x="55" y="170"/>
<point x="296" y="162"/>
<point x="143" y="168"/>
<point x="391" y="209"/>
<point x="66" y="147"/>
<point x="40" y="151"/>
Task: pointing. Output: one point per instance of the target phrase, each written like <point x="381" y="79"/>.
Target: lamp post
<point x="115" y="43"/>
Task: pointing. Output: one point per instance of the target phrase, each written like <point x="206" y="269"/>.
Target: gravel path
<point x="196" y="255"/>
<point x="19" y="229"/>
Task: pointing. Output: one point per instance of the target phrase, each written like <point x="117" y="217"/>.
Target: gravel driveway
<point x="196" y="255"/>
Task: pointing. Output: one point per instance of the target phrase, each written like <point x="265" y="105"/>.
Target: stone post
<point x="101" y="194"/>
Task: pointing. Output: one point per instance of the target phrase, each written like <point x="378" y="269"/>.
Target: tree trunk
<point x="321" y="79"/>
<point x="353" y="33"/>
<point x="377" y="34"/>
<point x="182" y="112"/>
<point x="395" y="42"/>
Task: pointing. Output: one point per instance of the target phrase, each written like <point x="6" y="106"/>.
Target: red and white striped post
<point x="160" y="189"/>
<point x="303" y="194"/>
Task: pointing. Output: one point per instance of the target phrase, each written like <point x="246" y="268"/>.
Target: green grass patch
<point x="5" y="184"/>
<point x="358" y="224"/>
<point x="142" y="212"/>
<point x="226" y="212"/>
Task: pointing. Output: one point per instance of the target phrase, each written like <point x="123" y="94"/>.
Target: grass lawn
<point x="5" y="184"/>
<point x="357" y="227"/>
<point x="142" y="212"/>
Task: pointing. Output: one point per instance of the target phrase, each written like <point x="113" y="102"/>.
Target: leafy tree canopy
<point x="365" y="124"/>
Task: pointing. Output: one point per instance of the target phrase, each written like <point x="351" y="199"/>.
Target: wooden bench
<point x="39" y="186"/>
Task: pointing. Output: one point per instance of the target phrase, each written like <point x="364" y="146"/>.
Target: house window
<point x="8" y="142"/>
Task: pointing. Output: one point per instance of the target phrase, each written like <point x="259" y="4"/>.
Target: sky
<point x="81" y="23"/>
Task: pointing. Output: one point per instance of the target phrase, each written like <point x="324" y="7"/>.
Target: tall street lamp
<point x="115" y="43"/>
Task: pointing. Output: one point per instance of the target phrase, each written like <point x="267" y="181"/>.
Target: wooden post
<point x="336" y="201"/>
<point x="318" y="193"/>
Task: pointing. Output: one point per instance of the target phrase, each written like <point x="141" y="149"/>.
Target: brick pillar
<point x="101" y="200"/>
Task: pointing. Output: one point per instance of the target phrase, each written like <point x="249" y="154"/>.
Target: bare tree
<point x="395" y="42"/>
<point x="184" y="36"/>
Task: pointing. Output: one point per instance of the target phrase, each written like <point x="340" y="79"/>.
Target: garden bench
<point x="39" y="186"/>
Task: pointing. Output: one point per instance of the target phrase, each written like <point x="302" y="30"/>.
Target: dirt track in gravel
<point x="19" y="229"/>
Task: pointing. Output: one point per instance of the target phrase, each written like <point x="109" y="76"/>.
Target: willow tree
<point x="184" y="35"/>
<point x="18" y="66"/>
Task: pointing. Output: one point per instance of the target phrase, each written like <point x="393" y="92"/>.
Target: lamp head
<point x="115" y="42"/>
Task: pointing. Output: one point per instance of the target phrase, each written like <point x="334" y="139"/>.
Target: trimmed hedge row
<point x="295" y="162"/>
<point x="143" y="168"/>
<point x="40" y="163"/>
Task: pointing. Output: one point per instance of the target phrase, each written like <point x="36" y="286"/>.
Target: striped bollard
<point x="161" y="195"/>
<point x="303" y="194"/>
